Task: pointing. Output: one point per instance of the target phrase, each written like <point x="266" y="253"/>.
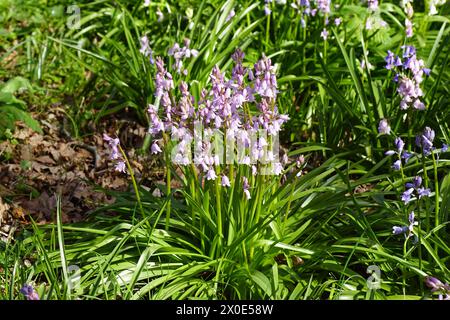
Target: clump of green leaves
<point x="13" y="109"/>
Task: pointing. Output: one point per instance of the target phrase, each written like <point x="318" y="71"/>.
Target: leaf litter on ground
<point x="35" y="168"/>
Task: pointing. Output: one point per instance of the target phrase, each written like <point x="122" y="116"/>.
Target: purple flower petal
<point x="399" y="230"/>
<point x="397" y="165"/>
<point x="29" y="292"/>
<point x="423" y="192"/>
<point x="406" y="196"/>
<point x="433" y="283"/>
<point x="225" y="181"/>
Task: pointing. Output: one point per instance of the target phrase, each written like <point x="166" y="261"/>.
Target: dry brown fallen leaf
<point x="66" y="151"/>
<point x="45" y="160"/>
<point x="4" y="207"/>
<point x="42" y="206"/>
<point x="61" y="165"/>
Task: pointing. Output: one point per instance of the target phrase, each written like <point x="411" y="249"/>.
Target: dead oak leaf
<point x="26" y="152"/>
<point x="36" y="140"/>
<point x="4" y="207"/>
<point x="66" y="151"/>
<point x="42" y="206"/>
<point x="18" y="213"/>
<point x="55" y="154"/>
<point x="23" y="134"/>
<point x="45" y="160"/>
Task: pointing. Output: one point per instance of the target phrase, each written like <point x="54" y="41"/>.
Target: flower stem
<point x="425" y="176"/>
<point x="419" y="243"/>
<point x="219" y="212"/>
<point x="267" y="31"/>
<point x="436" y="191"/>
<point x="133" y="180"/>
<point x="168" y="191"/>
<point x="168" y="180"/>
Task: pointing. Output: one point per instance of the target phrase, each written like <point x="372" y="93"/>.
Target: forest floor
<point x="41" y="167"/>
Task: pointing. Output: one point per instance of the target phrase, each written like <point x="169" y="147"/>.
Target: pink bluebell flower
<point x="439" y="287"/>
<point x="114" y="145"/>
<point x="230" y="15"/>
<point x="383" y="127"/>
<point x="180" y="53"/>
<point x="372" y="4"/>
<point x="409" y="76"/>
<point x="120" y="166"/>
<point x="246" y="187"/>
<point x="277" y="168"/>
<point x="219" y="107"/>
<point x="115" y="154"/>
<point x="145" y="49"/>
<point x="323" y="6"/>
<point x="324" y="34"/>
<point x="211" y="174"/>
<point x="28" y="291"/>
<point x="155" y="149"/>
<point x="225" y="181"/>
<point x="408" y="28"/>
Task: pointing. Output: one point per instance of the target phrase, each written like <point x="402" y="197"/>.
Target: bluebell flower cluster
<point x="396" y="230"/>
<point x="409" y="76"/>
<point x="437" y="286"/>
<point x="432" y="10"/>
<point x="146" y="50"/>
<point x="372" y="5"/>
<point x="425" y="141"/>
<point x="409" y="11"/>
<point x="402" y="154"/>
<point x="312" y="8"/>
<point x="223" y="107"/>
<point x="415" y="187"/>
<point x="181" y="53"/>
<point x="384" y="127"/>
<point x="267" y="10"/>
<point x="28" y="291"/>
<point x="115" y="155"/>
